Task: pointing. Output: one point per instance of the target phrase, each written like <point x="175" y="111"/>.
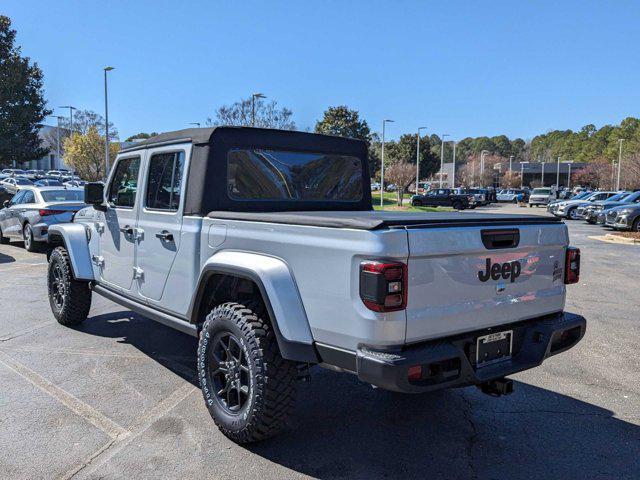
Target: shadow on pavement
<point x="6" y="258"/>
<point x="345" y="429"/>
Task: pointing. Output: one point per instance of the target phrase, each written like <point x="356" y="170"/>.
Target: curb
<point x="610" y="238"/>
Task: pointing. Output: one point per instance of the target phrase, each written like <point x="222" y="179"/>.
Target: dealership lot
<point x="117" y="397"/>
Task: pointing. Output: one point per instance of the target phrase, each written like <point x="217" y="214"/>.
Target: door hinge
<point x="137" y="272"/>
<point x="98" y="260"/>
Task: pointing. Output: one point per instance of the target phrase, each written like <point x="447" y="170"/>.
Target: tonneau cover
<point x="373" y="220"/>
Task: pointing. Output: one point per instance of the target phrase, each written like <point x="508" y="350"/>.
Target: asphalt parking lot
<point x="118" y="398"/>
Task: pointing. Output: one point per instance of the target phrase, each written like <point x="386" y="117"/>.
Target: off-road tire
<point x="271" y="379"/>
<point x="3" y="240"/>
<point x="76" y="301"/>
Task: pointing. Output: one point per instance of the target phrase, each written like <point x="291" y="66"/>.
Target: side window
<point x="29" y="197"/>
<point x="165" y="181"/>
<point x="124" y="185"/>
<point x="17" y="198"/>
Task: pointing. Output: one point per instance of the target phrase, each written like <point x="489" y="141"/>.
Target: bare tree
<point x="630" y="175"/>
<point x="267" y="115"/>
<point x="402" y="174"/>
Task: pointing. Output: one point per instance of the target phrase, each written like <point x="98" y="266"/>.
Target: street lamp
<point x="522" y="174"/>
<point x="253" y="107"/>
<point x="510" y="163"/>
<point x="569" y="174"/>
<point x="543" y="172"/>
<point x="442" y="156"/>
<point x="418" y="159"/>
<point x="71" y="109"/>
<point x="619" y="163"/>
<point x="558" y="174"/>
<point x="453" y="174"/>
<point x="106" y="124"/>
<point x="482" y="166"/>
<point x="54" y="166"/>
<point x="384" y="123"/>
<point x="195" y="123"/>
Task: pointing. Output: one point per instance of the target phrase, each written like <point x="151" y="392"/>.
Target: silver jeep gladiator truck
<point x="264" y="245"/>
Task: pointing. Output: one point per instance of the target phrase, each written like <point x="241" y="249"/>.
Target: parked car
<point x="627" y="218"/>
<point x="479" y="195"/>
<point x="375" y="187"/>
<point x="509" y="195"/>
<point x="569" y="208"/>
<point x="75" y="183"/>
<point x="591" y="212"/>
<point x="217" y="244"/>
<point x="4" y="195"/>
<point x="13" y="184"/>
<point x="34" y="174"/>
<point x="47" y="182"/>
<point x="443" y="197"/>
<point x="12" y="172"/>
<point x="541" y="196"/>
<point x="30" y="213"/>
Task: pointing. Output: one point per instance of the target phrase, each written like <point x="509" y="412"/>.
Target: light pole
<point x="619" y="163"/>
<point x="384" y="123"/>
<point x="71" y="109"/>
<point x="453" y="174"/>
<point x="253" y="107"/>
<point x="482" y="166"/>
<point x="522" y="174"/>
<point x="57" y="143"/>
<point x="543" y="172"/>
<point x="569" y="174"/>
<point x="418" y="159"/>
<point x="106" y="124"/>
<point x="558" y="174"/>
<point x="510" y="163"/>
<point x="442" y="157"/>
<point x="195" y="123"/>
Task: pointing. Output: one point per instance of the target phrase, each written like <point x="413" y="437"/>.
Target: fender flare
<point x="279" y="292"/>
<point x="74" y="238"/>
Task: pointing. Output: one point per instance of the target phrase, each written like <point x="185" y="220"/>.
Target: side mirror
<point x="5" y="204"/>
<point x="94" y="195"/>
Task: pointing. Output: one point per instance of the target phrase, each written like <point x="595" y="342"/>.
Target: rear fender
<point x="74" y="238"/>
<point x="279" y="292"/>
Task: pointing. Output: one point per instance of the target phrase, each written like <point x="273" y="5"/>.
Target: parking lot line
<point x="90" y="414"/>
<point x="21" y="265"/>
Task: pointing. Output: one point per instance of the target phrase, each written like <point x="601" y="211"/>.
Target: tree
<point x="141" y="136"/>
<point x="85" y="119"/>
<point x="85" y="153"/>
<point x="596" y="174"/>
<point x="343" y="122"/>
<point x="267" y="115"/>
<point x="22" y="104"/>
<point x="401" y="174"/>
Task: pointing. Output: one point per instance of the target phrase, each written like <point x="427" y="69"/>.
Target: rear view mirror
<point x="94" y="194"/>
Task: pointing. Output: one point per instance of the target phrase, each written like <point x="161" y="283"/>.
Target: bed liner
<point x="376" y="220"/>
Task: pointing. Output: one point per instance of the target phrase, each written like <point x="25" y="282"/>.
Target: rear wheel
<point x="247" y="386"/>
<point x="70" y="299"/>
<point x="457" y="205"/>
<point x="3" y="240"/>
<point x="572" y="214"/>
<point x="636" y="225"/>
<point x="29" y="243"/>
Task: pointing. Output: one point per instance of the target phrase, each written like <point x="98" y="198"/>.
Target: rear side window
<point x="124" y="185"/>
<point x="29" y="197"/>
<point x="165" y="181"/>
<point x="260" y="174"/>
<point x="63" y="195"/>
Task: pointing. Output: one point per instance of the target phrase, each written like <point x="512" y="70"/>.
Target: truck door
<point x="119" y="236"/>
<point x="160" y="218"/>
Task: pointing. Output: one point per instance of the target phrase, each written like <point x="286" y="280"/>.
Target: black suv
<point x="443" y="197"/>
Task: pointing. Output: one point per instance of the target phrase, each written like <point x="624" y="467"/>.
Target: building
<point x="542" y="173"/>
<point x="48" y="138"/>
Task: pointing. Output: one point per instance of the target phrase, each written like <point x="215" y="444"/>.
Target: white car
<point x="508" y="195"/>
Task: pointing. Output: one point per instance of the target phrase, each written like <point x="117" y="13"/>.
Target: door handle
<point x="127" y="230"/>
<point x="165" y="236"/>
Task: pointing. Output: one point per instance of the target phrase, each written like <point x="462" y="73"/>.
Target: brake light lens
<point x="383" y="286"/>
<point x="45" y="211"/>
<point x="572" y="266"/>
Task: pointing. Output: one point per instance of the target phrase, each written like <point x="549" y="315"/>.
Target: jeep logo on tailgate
<point x="507" y="270"/>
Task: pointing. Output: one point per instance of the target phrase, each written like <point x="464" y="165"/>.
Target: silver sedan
<point x="32" y="210"/>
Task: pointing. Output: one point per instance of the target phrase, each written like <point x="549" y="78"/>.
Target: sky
<point x="466" y="68"/>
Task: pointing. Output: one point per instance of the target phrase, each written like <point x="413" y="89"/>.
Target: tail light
<point x="45" y="211"/>
<point x="383" y="286"/>
<point x="572" y="266"/>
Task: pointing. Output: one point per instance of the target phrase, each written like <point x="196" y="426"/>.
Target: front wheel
<point x="636" y="225"/>
<point x="457" y="206"/>
<point x="572" y="214"/>
<point x="3" y="240"/>
<point x="247" y="386"/>
<point x="70" y="299"/>
<point x="417" y="203"/>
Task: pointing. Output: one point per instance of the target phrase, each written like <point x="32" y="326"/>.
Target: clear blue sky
<point x="466" y="68"/>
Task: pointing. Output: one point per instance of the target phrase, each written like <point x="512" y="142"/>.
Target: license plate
<point x="493" y="348"/>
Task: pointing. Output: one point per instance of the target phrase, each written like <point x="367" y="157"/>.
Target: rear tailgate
<point x="459" y="282"/>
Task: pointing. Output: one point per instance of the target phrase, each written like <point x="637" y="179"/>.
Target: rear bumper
<point x="450" y="362"/>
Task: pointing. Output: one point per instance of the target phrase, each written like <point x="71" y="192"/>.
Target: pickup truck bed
<point x="377" y="220"/>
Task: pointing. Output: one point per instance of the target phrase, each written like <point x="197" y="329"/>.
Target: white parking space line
<point x="90" y="414"/>
<point x="11" y="267"/>
<point x="25" y="331"/>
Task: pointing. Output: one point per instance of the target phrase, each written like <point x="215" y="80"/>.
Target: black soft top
<point x="376" y="220"/>
<point x="206" y="188"/>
